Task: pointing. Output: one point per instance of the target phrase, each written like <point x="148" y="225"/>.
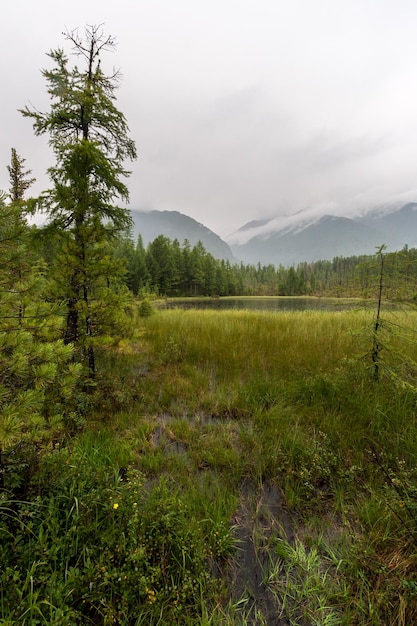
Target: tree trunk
<point x="71" y="330"/>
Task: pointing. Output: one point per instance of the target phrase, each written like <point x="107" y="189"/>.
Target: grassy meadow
<point x="229" y="468"/>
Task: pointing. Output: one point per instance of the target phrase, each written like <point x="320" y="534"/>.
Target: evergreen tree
<point x="89" y="137"/>
<point x="197" y="269"/>
<point x="140" y="269"/>
<point x="209" y="273"/>
<point x="35" y="374"/>
<point x="19" y="178"/>
<point x="161" y="265"/>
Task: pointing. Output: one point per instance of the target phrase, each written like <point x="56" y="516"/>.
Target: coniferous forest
<point x="180" y="467"/>
<point x="169" y="269"/>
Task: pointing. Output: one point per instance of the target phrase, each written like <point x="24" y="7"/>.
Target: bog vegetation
<point x="191" y="467"/>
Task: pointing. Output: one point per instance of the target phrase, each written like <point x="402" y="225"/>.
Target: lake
<point x="267" y="303"/>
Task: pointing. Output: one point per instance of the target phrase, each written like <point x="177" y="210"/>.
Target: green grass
<point x="188" y="426"/>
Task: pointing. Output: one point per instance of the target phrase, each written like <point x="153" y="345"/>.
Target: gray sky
<point x="240" y="109"/>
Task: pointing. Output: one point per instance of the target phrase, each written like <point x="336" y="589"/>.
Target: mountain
<point x="325" y="237"/>
<point x="175" y="225"/>
<point x="399" y="227"/>
<point x="292" y="239"/>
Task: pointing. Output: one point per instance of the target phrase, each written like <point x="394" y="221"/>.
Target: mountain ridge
<point x="291" y="239"/>
<point x="176" y="225"/>
<point x="324" y="237"/>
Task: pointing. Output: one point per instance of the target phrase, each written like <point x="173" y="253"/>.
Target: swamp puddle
<point x="260" y="520"/>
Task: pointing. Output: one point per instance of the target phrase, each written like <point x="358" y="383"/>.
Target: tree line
<point x="168" y="268"/>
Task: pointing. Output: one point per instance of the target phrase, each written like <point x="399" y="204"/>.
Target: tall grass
<point x="199" y="409"/>
<point x="246" y="342"/>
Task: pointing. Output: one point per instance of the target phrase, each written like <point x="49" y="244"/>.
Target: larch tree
<point x="20" y="180"/>
<point x="89" y="137"/>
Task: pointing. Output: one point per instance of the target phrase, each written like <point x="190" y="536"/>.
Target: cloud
<point x="239" y="111"/>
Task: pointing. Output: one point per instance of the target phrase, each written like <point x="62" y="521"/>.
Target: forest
<point x="190" y="467"/>
<point x="168" y="269"/>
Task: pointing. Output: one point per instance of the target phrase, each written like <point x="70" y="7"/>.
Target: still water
<point x="278" y="303"/>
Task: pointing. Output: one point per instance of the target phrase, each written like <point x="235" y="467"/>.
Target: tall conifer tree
<point x="89" y="137"/>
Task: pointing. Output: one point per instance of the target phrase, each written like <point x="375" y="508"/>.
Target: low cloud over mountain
<point x="303" y="236"/>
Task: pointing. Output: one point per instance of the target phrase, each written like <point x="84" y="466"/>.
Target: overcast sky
<point x="240" y="109"/>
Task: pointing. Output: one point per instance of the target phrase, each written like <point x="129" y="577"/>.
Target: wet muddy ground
<point x="260" y="520"/>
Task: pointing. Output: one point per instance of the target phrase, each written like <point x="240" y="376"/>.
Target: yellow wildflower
<point x="151" y="596"/>
<point x="115" y="505"/>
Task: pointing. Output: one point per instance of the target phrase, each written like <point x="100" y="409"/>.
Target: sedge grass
<point x="243" y="341"/>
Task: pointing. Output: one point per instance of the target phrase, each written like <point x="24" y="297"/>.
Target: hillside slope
<point x="175" y="225"/>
